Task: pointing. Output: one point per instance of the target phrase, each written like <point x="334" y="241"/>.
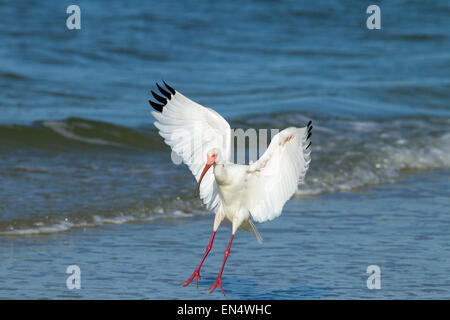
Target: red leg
<point x="219" y="277"/>
<point x="196" y="273"/>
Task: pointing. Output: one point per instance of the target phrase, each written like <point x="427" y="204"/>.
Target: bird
<point x="236" y="192"/>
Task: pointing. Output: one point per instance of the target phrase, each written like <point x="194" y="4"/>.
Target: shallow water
<point x="86" y="179"/>
<point x="319" y="248"/>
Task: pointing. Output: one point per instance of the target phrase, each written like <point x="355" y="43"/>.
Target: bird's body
<point x="231" y="182"/>
<point x="232" y="185"/>
<point x="238" y="193"/>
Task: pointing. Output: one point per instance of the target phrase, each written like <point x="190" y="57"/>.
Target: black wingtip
<point x="163" y="100"/>
<point x="156" y="106"/>
<point x="172" y="90"/>
<point x="159" y="98"/>
<point x="310" y="128"/>
<point x="309" y="123"/>
<point x="164" y="92"/>
<point x="309" y="135"/>
<point x="309" y="145"/>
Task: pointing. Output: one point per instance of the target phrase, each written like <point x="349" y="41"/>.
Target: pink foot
<point x="195" y="275"/>
<point x="218" y="282"/>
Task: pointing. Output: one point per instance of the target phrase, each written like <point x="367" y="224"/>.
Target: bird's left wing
<point x="191" y="130"/>
<point x="274" y="178"/>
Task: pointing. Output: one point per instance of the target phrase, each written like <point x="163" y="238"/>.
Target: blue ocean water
<point x="87" y="180"/>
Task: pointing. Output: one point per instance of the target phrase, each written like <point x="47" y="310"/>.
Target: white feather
<point x="191" y="130"/>
<point x="274" y="178"/>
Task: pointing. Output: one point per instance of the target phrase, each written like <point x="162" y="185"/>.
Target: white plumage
<point x="189" y="128"/>
<point x="202" y="138"/>
<point x="274" y="178"/>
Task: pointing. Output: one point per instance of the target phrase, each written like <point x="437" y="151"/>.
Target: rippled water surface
<point x="86" y="180"/>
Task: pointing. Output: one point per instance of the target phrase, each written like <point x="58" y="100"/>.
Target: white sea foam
<point x="375" y="165"/>
<point x="97" y="221"/>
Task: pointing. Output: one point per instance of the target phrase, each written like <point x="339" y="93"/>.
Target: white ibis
<point x="240" y="193"/>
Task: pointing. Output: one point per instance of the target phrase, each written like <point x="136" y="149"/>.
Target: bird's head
<point x="212" y="156"/>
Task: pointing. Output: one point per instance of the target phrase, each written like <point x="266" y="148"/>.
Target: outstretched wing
<point x="191" y="130"/>
<point x="274" y="178"/>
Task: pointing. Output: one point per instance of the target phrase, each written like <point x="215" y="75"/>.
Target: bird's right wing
<point x="274" y="178"/>
<point x="191" y="130"/>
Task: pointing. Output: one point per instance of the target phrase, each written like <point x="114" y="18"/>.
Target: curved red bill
<point x="208" y="165"/>
<point x="209" y="162"/>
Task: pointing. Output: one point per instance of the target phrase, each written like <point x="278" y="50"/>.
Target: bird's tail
<point x="255" y="231"/>
<point x="248" y="225"/>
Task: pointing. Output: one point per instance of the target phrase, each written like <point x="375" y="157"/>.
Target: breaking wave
<point x="59" y="222"/>
<point x="346" y="154"/>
